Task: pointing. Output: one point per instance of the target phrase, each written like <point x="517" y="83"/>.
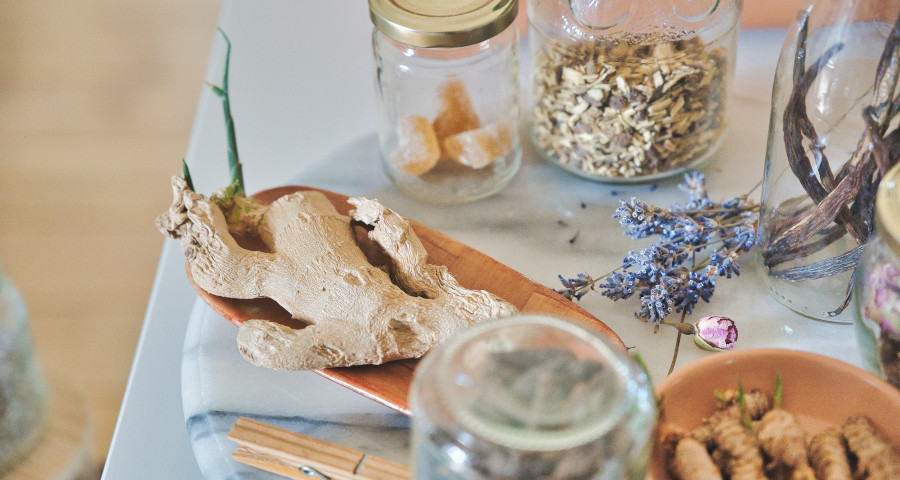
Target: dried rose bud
<point x="715" y="333"/>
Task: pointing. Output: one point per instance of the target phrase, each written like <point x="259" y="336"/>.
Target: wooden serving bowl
<point x="820" y="391"/>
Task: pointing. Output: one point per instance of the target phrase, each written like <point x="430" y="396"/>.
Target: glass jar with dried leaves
<point x="833" y="134"/>
<point x="627" y="91"/>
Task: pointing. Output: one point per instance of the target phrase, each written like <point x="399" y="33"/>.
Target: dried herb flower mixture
<point x="629" y="107"/>
<point x="670" y="274"/>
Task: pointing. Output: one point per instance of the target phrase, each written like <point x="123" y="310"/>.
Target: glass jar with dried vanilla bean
<point x="628" y="91"/>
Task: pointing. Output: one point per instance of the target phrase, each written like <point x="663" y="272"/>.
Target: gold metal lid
<point x="442" y="23"/>
<point x="887" y="209"/>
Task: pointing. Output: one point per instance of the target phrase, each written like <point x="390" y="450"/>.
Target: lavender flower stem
<point x="677" y="345"/>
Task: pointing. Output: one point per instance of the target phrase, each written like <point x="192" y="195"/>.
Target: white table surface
<point x="301" y="87"/>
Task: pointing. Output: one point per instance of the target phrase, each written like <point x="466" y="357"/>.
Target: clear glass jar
<point x="531" y="397"/>
<point x="23" y="393"/>
<point x="877" y="285"/>
<point x="825" y="155"/>
<point x="447" y="79"/>
<point x="630" y="90"/>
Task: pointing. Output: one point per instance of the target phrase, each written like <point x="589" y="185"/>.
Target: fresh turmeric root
<point x="738" y="447"/>
<point x="691" y="461"/>
<point x="686" y="458"/>
<point x="828" y="456"/>
<point x="875" y="458"/>
<point x="782" y="438"/>
<point x="756" y="404"/>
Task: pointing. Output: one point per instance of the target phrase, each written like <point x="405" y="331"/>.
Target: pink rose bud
<point x="715" y="333"/>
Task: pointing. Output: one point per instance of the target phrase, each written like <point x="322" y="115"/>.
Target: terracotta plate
<point x="821" y="391"/>
<point x="389" y="383"/>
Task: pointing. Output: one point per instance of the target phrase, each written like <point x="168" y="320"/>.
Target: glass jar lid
<point x="442" y="23"/>
<point x="887" y="208"/>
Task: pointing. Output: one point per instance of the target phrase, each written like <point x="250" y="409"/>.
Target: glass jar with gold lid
<point x="628" y="91"/>
<point x="447" y="81"/>
<point x="877" y="284"/>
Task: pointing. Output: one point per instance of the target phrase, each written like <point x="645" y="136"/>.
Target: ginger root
<point x="354" y="313"/>
<point x="784" y="441"/>
<point x="828" y="456"/>
<point x="738" y="447"/>
<point x="756" y="404"/>
<point x="686" y="457"/>
<point x="875" y="457"/>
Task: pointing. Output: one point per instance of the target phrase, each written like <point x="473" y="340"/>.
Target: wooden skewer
<point x="295" y="455"/>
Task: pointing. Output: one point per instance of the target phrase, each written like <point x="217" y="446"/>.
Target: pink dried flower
<point x="885" y="302"/>
<point x="715" y="333"/>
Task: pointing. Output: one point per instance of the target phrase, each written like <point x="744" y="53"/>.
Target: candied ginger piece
<point x="479" y="148"/>
<point x="503" y="133"/>
<point x="456" y="113"/>
<point x="418" y="150"/>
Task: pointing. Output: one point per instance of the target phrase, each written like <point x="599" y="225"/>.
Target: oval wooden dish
<point x="389" y="383"/>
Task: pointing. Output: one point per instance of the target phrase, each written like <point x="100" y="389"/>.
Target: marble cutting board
<point x="529" y="226"/>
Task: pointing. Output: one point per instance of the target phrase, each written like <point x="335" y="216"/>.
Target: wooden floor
<point x="96" y="103"/>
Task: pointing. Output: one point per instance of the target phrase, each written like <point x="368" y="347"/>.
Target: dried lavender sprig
<point x="659" y="274"/>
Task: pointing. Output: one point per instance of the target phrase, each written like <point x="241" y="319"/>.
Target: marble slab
<point x="520" y="227"/>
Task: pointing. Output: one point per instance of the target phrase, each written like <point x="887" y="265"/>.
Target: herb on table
<point x="674" y="273"/>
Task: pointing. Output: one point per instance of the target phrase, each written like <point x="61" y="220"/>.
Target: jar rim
<point x="442" y="23"/>
<point x="626" y="383"/>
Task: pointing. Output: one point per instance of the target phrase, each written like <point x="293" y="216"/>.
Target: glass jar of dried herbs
<point x="447" y="77"/>
<point x="877" y="284"/>
<point x="22" y="390"/>
<point x="627" y="91"/>
<point x="833" y="135"/>
<point x="531" y="397"/>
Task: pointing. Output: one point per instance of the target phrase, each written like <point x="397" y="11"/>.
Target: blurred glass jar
<point x="630" y="90"/>
<point x="447" y="78"/>
<point x="531" y="397"/>
<point x="829" y="146"/>
<point x="877" y="284"/>
<point x="23" y="394"/>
